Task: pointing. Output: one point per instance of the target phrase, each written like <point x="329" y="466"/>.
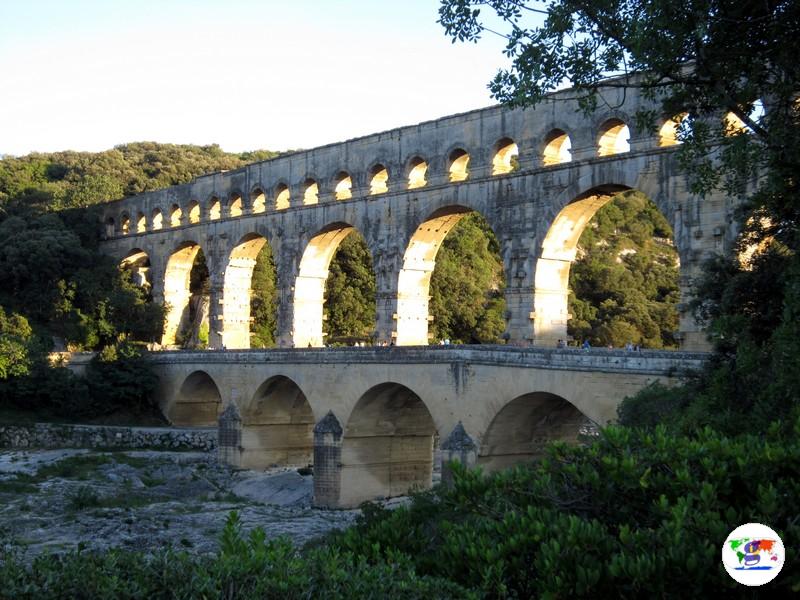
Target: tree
<point x="350" y="292"/>
<point x="264" y="301"/>
<point x="467" y="285"/>
<point x="15" y="338"/>
<point x="704" y="59"/>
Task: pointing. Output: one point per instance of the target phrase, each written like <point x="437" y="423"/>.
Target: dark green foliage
<point x="350" y="293"/>
<point x="15" y="345"/>
<point x="46" y="182"/>
<point x="636" y="514"/>
<point x="467" y="285"/>
<point x="251" y="567"/>
<point x="624" y="283"/>
<point x="264" y="301"/>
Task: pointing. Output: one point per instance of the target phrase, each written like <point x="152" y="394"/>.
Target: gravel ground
<point x="54" y="500"/>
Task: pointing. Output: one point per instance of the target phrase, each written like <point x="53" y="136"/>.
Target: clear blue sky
<point x="246" y="74"/>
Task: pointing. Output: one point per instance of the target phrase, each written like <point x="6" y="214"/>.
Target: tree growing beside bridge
<point x="728" y="72"/>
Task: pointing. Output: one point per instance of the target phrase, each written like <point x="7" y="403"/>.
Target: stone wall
<point x="48" y="435"/>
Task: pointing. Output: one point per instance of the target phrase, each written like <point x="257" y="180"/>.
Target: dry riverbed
<point x="54" y="500"/>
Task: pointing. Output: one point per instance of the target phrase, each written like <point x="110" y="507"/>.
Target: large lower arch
<point x="524" y="426"/>
<point x="198" y="402"/>
<point x="309" y="287"/>
<point x="558" y="252"/>
<point x="387" y="447"/>
<point x="177" y="291"/>
<point x="277" y="426"/>
<point x="413" y="284"/>
<point x="236" y="291"/>
<point x="137" y="262"/>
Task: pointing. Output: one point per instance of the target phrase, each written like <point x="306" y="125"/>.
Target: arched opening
<point x="668" y="134"/>
<point x="557" y="148"/>
<point x="457" y="165"/>
<point x="194" y="212"/>
<point x="624" y="284"/>
<point x="522" y="429"/>
<point x="387" y="447"/>
<point x="198" y="403"/>
<point x="235" y="205"/>
<point x="186" y="275"/>
<point x="311" y="283"/>
<point x="249" y="285"/>
<point x="310" y="192"/>
<point x="614" y="136"/>
<point x="471" y="277"/>
<point x="506" y="153"/>
<point x="141" y="223"/>
<point x="137" y="263"/>
<point x="214" y="209"/>
<point x="125" y="224"/>
<point x="258" y="201"/>
<point x="378" y="180"/>
<point x="111" y="228"/>
<point x="175" y="214"/>
<point x="416" y="174"/>
<point x="282" y="197"/>
<point x="344" y="186"/>
<point x="157" y="219"/>
<point x="277" y="427"/>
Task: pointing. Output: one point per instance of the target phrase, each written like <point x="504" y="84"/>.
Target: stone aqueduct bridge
<point x="369" y="419"/>
<point x="537" y="176"/>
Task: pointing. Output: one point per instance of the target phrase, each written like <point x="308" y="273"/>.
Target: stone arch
<point x="141" y="223"/>
<point x="387" y="446"/>
<point x="214" y="208"/>
<point x="175" y="214"/>
<point x="520" y="431"/>
<point x="282" y="196"/>
<point x="236" y="291"/>
<point x="277" y="426"/>
<point x="198" y="402"/>
<point x="457" y="165"/>
<point x="668" y="132"/>
<point x="176" y="288"/>
<point x="111" y="227"/>
<point x="124" y="223"/>
<point x="309" y="287"/>
<point x="157" y="219"/>
<point x="137" y="261"/>
<point x="559" y="249"/>
<point x="310" y="191"/>
<point x="505" y="155"/>
<point x="557" y="148"/>
<point x="193" y="211"/>
<point x="416" y="169"/>
<point x="235" y="205"/>
<point x="613" y="138"/>
<point x="343" y="186"/>
<point x="258" y="200"/>
<point x="378" y="179"/>
<point x="419" y="261"/>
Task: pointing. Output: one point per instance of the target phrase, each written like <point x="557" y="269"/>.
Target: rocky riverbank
<point x="56" y="500"/>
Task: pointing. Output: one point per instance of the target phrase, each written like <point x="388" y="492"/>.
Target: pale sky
<point x="245" y="74"/>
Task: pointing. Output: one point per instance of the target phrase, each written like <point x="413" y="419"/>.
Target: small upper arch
<point x="258" y="200"/>
<point x="282" y="195"/>
<point x="417" y="167"/>
<point x="668" y="132"/>
<point x="235" y="205"/>
<point x="194" y="211"/>
<point x="613" y="138"/>
<point x="557" y="148"/>
<point x="378" y="179"/>
<point x="458" y="164"/>
<point x="310" y="191"/>
<point x="175" y="214"/>
<point x="505" y="156"/>
<point x="141" y="223"/>
<point x="156" y="219"/>
<point x="214" y="208"/>
<point x="343" y="186"/>
<point x="124" y="223"/>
